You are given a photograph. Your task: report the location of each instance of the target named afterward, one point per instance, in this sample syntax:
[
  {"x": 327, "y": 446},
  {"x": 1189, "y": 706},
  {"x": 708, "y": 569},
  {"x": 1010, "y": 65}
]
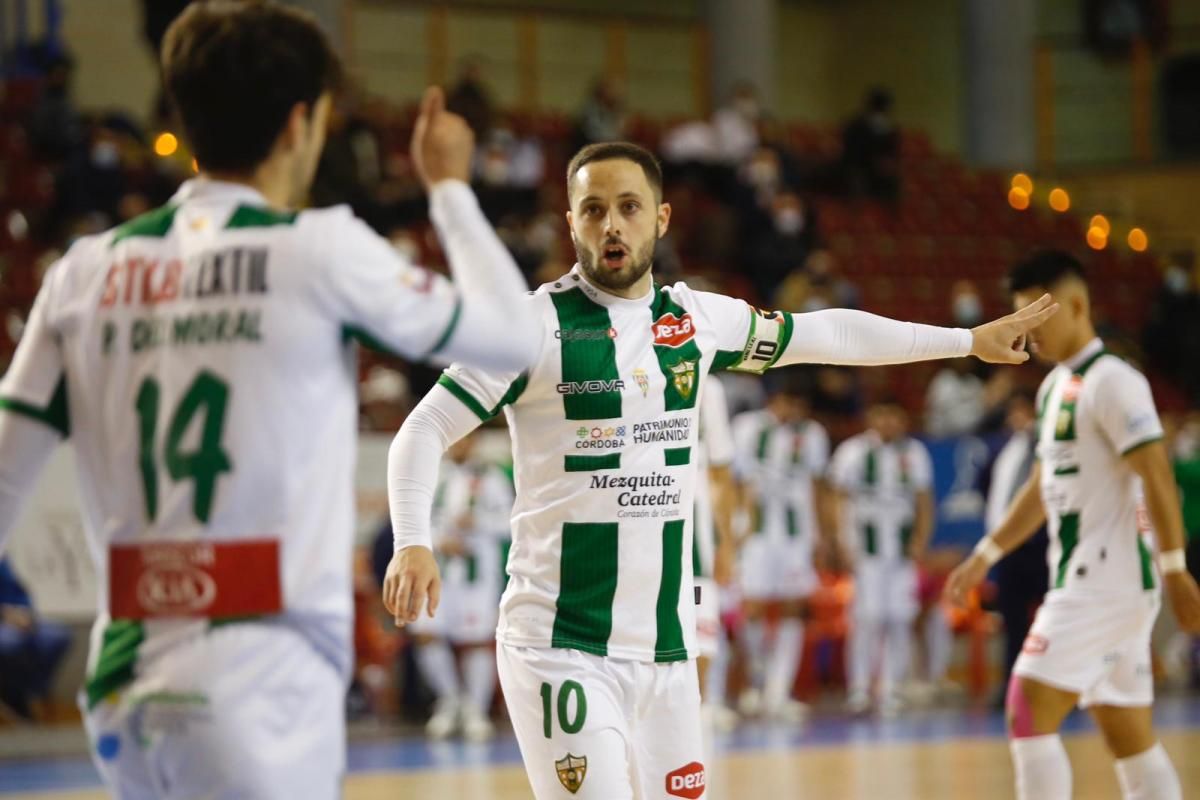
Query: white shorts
[
  {"x": 596, "y": 728},
  {"x": 774, "y": 570},
  {"x": 885, "y": 589},
  {"x": 469, "y": 609},
  {"x": 243, "y": 712},
  {"x": 708, "y": 618},
  {"x": 1098, "y": 648}
]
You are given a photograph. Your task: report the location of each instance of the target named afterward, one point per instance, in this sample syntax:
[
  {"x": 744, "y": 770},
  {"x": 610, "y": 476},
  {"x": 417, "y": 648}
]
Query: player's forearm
[
  {"x": 724, "y": 501},
  {"x": 923, "y": 522},
  {"x": 1162, "y": 501},
  {"x": 1024, "y": 516},
  {"x": 479, "y": 261},
  {"x": 438, "y": 421},
  {"x": 25, "y": 447},
  {"x": 856, "y": 338}
]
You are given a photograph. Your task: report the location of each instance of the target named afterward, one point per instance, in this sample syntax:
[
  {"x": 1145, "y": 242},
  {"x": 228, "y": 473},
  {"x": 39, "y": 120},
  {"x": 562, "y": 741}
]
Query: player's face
[
  {"x": 311, "y": 143},
  {"x": 1050, "y": 341},
  {"x": 615, "y": 221},
  {"x": 890, "y": 422}
]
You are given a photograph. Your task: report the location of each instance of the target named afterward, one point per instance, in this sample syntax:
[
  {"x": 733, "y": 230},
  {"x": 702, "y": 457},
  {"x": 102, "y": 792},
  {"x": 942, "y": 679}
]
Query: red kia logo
[
  {"x": 672, "y": 331},
  {"x": 1035, "y": 645},
  {"x": 687, "y": 781},
  {"x": 176, "y": 590}
]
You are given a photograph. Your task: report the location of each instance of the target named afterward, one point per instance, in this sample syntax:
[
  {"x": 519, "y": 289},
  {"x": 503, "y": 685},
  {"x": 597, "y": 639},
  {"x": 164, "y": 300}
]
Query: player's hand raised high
[
  {"x": 412, "y": 582},
  {"x": 1002, "y": 341},
  {"x": 1184, "y": 596},
  {"x": 442, "y": 142}
]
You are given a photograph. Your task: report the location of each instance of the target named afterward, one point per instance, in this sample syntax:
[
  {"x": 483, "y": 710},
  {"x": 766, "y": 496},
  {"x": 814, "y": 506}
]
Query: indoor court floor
[{"x": 923, "y": 756}]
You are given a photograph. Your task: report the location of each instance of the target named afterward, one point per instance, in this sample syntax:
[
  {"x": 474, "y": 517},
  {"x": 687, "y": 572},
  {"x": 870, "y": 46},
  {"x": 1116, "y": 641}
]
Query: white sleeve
[
  {"x": 843, "y": 470},
  {"x": 379, "y": 295},
  {"x": 921, "y": 467},
  {"x": 437, "y": 422},
  {"x": 818, "y": 448},
  {"x": 718, "y": 435},
  {"x": 856, "y": 338},
  {"x": 1126, "y": 415},
  {"x": 33, "y": 409}
]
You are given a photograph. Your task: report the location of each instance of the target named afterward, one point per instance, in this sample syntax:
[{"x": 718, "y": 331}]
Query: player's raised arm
[{"x": 844, "y": 336}]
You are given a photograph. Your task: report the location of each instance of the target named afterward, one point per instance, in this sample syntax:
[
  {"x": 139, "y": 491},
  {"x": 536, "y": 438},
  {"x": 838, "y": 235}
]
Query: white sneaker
[
  {"x": 476, "y": 726},
  {"x": 858, "y": 703},
  {"x": 789, "y": 711},
  {"x": 890, "y": 706},
  {"x": 444, "y": 720},
  {"x": 750, "y": 704},
  {"x": 725, "y": 719}
]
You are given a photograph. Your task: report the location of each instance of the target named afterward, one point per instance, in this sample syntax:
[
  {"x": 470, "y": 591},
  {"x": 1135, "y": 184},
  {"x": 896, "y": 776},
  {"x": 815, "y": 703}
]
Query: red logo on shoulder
[
  {"x": 672, "y": 331},
  {"x": 687, "y": 781}
]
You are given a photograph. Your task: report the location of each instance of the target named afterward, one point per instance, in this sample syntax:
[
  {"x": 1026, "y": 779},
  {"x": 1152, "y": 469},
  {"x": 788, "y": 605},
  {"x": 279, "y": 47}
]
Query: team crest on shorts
[
  {"x": 683, "y": 375},
  {"x": 571, "y": 771}
]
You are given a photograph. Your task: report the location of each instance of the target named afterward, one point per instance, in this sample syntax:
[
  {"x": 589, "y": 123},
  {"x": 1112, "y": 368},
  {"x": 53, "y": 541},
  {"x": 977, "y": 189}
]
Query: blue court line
[{"x": 410, "y": 754}]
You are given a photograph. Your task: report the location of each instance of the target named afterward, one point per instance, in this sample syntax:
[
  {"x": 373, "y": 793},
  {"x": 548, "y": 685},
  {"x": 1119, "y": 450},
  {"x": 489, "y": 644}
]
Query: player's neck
[
  {"x": 636, "y": 291},
  {"x": 270, "y": 179},
  {"x": 1082, "y": 339}
]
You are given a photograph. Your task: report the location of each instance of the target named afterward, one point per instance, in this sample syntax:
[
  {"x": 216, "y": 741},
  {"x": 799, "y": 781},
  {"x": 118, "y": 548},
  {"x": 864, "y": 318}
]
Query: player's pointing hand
[
  {"x": 412, "y": 582},
  {"x": 442, "y": 142},
  {"x": 1002, "y": 341}
]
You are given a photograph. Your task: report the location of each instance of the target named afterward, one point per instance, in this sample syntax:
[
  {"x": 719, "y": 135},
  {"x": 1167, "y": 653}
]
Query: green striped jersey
[
  {"x": 881, "y": 481},
  {"x": 779, "y": 463},
  {"x": 1092, "y": 410},
  {"x": 604, "y": 428},
  {"x": 472, "y": 504}
]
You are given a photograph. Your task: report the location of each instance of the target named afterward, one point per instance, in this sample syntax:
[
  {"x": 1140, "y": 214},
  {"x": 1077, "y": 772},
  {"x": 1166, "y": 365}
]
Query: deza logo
[
  {"x": 687, "y": 781},
  {"x": 591, "y": 387},
  {"x": 672, "y": 331}
]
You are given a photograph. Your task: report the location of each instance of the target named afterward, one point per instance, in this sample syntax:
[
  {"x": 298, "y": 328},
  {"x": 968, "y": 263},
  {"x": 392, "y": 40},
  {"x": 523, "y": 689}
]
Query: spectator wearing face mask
[
  {"x": 956, "y": 401},
  {"x": 785, "y": 239},
  {"x": 735, "y": 126},
  {"x": 816, "y": 286},
  {"x": 871, "y": 150}
]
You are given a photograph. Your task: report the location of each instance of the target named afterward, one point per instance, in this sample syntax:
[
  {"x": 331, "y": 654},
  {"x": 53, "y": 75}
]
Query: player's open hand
[
  {"x": 412, "y": 583},
  {"x": 1002, "y": 341},
  {"x": 965, "y": 577},
  {"x": 442, "y": 142},
  {"x": 1184, "y": 597}
]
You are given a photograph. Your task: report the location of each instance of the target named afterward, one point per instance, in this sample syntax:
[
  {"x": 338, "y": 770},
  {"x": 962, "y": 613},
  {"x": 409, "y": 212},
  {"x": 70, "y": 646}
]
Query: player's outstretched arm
[
  {"x": 1025, "y": 515},
  {"x": 857, "y": 338},
  {"x": 1150, "y": 461},
  {"x": 412, "y": 582}
]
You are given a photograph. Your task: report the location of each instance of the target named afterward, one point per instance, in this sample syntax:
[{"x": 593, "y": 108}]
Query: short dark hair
[
  {"x": 234, "y": 70},
  {"x": 1044, "y": 269},
  {"x": 610, "y": 151}
]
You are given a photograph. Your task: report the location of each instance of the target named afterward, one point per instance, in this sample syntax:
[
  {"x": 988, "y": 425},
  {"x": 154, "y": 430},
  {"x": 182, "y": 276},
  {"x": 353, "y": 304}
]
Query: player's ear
[
  {"x": 664, "y": 218},
  {"x": 571, "y": 221},
  {"x": 295, "y": 129}
]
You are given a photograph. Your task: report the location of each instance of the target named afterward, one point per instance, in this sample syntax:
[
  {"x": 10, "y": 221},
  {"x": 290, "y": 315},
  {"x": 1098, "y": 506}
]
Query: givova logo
[{"x": 591, "y": 387}]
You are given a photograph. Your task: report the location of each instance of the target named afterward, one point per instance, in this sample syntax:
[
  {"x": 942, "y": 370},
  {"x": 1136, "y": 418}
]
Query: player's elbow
[{"x": 495, "y": 338}]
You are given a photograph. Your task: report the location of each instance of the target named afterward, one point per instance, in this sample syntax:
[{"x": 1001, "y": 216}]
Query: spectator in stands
[
  {"x": 954, "y": 401},
  {"x": 735, "y": 125},
  {"x": 470, "y": 98},
  {"x": 30, "y": 649},
  {"x": 384, "y": 399},
  {"x": 1172, "y": 334},
  {"x": 817, "y": 285},
  {"x": 1022, "y": 576},
  {"x": 781, "y": 245},
  {"x": 871, "y": 150},
  {"x": 603, "y": 117},
  {"x": 56, "y": 129}
]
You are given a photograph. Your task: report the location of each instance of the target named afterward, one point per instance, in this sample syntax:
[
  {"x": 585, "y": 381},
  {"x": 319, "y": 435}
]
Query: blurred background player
[
  {"x": 781, "y": 459},
  {"x": 225, "y": 313},
  {"x": 884, "y": 479},
  {"x": 1102, "y": 481},
  {"x": 472, "y": 506},
  {"x": 713, "y": 549}
]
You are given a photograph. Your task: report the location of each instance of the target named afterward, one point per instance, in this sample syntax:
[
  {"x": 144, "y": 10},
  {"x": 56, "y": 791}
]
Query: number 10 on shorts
[{"x": 570, "y": 721}]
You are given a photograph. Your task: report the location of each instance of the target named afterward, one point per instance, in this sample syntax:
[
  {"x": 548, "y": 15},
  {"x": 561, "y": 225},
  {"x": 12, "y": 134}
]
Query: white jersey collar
[
  {"x": 602, "y": 297},
  {"x": 1090, "y": 349},
  {"x": 221, "y": 191}
]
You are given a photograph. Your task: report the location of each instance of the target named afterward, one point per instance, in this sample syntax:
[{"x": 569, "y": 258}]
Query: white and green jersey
[
  {"x": 201, "y": 360},
  {"x": 604, "y": 431},
  {"x": 1092, "y": 410},
  {"x": 715, "y": 450},
  {"x": 474, "y": 504},
  {"x": 881, "y": 480},
  {"x": 780, "y": 463}
]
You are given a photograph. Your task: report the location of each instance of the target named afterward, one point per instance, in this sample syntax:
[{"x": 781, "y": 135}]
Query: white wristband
[
  {"x": 989, "y": 551},
  {"x": 1172, "y": 561}
]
